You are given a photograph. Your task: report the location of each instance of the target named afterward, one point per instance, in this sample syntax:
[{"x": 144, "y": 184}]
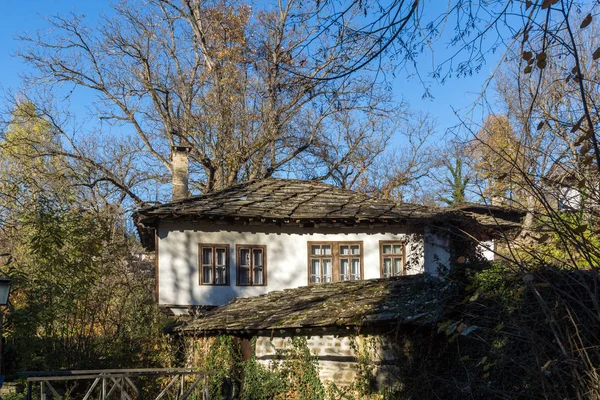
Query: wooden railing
[{"x": 106, "y": 384}]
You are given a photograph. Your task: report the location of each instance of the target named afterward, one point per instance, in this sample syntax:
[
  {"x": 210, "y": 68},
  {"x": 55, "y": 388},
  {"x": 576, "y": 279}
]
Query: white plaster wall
[
  {"x": 488, "y": 249},
  {"x": 437, "y": 257},
  {"x": 178, "y": 275}
]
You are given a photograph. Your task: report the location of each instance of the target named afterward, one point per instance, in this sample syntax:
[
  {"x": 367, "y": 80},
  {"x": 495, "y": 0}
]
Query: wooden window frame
[
  {"x": 335, "y": 256},
  {"x": 213, "y": 246},
  {"x": 402, "y": 243},
  {"x": 252, "y": 247}
]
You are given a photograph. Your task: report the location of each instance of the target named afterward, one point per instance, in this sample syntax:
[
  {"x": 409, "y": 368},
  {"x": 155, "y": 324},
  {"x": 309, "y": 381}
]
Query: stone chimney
[{"x": 179, "y": 166}]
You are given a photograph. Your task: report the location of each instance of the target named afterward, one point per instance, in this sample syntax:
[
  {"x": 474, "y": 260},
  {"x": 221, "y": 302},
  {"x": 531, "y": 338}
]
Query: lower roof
[{"x": 406, "y": 300}]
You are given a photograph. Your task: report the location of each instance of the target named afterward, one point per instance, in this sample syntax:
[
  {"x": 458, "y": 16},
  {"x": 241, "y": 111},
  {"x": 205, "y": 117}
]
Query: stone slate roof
[
  {"x": 311, "y": 203},
  {"x": 276, "y": 200},
  {"x": 407, "y": 300}
]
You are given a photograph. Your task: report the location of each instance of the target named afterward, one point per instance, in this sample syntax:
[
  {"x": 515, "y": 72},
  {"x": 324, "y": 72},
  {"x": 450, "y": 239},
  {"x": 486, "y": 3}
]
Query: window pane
[
  {"x": 387, "y": 267},
  {"x": 258, "y": 257},
  {"x": 397, "y": 266},
  {"x": 244, "y": 276},
  {"x": 344, "y": 250},
  {"x": 327, "y": 271},
  {"x": 397, "y": 249},
  {"x": 220, "y": 276},
  {"x": 355, "y": 269},
  {"x": 315, "y": 250},
  {"x": 344, "y": 273},
  {"x": 206, "y": 256},
  {"x": 387, "y": 248},
  {"x": 244, "y": 257},
  {"x": 258, "y": 275},
  {"x": 315, "y": 271},
  {"x": 207, "y": 275},
  {"x": 220, "y": 256},
  {"x": 326, "y": 249},
  {"x": 355, "y": 249}
]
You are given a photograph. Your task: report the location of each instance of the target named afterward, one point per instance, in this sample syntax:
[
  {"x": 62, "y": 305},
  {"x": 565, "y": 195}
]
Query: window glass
[
  {"x": 355, "y": 249},
  {"x": 397, "y": 249},
  {"x": 344, "y": 250},
  {"x": 397, "y": 266},
  {"x": 387, "y": 248},
  {"x": 206, "y": 256},
  {"x": 326, "y": 249},
  {"x": 315, "y": 271},
  {"x": 207, "y": 274},
  {"x": 220, "y": 257},
  {"x": 355, "y": 269},
  {"x": 387, "y": 267},
  {"x": 245, "y": 257},
  {"x": 315, "y": 250},
  {"x": 327, "y": 271},
  {"x": 344, "y": 273},
  {"x": 258, "y": 257},
  {"x": 244, "y": 272}
]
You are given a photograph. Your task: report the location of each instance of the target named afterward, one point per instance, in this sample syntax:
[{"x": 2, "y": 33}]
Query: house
[{"x": 275, "y": 234}]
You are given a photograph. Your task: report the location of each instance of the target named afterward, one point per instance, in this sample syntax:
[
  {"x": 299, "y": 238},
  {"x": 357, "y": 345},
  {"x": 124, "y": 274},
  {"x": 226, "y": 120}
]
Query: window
[
  {"x": 334, "y": 261},
  {"x": 392, "y": 258},
  {"x": 320, "y": 260},
  {"x": 214, "y": 264},
  {"x": 251, "y": 265}
]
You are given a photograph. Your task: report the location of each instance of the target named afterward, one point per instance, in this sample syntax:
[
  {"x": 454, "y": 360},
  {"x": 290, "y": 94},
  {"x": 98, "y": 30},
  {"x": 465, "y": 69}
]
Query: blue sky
[{"x": 26, "y": 16}]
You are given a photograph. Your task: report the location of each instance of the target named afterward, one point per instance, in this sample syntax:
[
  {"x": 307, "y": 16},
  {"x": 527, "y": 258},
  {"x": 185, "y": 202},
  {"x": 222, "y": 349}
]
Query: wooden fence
[{"x": 107, "y": 384}]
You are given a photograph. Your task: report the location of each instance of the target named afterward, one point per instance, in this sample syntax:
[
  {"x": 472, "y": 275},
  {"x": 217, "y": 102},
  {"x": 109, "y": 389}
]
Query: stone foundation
[{"x": 339, "y": 357}]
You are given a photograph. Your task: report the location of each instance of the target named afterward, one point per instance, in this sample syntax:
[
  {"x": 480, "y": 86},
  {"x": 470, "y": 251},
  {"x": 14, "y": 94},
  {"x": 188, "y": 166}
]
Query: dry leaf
[
  {"x": 541, "y": 64},
  {"x": 577, "y": 125},
  {"x": 596, "y": 54},
  {"x": 461, "y": 260},
  {"x": 527, "y": 69},
  {"x": 528, "y": 4},
  {"x": 588, "y": 160},
  {"x": 543, "y": 238},
  {"x": 545, "y": 4},
  {"x": 541, "y": 56},
  {"x": 540, "y": 125},
  {"x": 527, "y": 55},
  {"x": 581, "y": 229},
  {"x": 586, "y": 21}
]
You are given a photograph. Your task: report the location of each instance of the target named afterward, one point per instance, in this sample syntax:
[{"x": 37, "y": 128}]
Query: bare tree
[{"x": 209, "y": 75}]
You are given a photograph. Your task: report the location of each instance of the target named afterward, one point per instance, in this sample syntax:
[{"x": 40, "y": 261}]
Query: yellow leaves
[
  {"x": 461, "y": 260},
  {"x": 586, "y": 21}
]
